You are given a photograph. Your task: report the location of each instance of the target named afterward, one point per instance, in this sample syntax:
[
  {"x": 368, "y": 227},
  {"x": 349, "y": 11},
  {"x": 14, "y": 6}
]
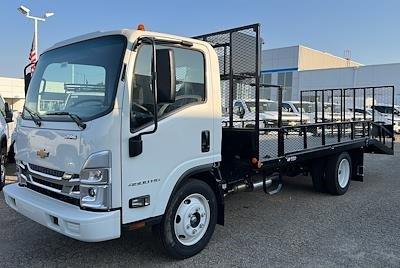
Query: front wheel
[{"x": 190, "y": 220}]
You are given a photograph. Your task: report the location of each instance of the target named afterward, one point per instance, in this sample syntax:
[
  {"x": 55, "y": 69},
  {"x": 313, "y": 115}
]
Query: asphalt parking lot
[{"x": 297, "y": 227}]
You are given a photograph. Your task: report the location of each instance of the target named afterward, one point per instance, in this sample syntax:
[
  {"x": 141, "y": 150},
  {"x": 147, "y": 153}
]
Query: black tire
[
  {"x": 332, "y": 182},
  {"x": 11, "y": 154},
  {"x": 318, "y": 175},
  {"x": 3, "y": 158},
  {"x": 166, "y": 230}
]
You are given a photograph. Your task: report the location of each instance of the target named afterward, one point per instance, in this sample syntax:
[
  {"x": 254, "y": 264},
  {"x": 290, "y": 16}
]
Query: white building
[
  {"x": 12, "y": 90},
  {"x": 300, "y": 68}
]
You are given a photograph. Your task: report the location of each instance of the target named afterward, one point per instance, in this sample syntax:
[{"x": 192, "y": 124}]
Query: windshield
[
  {"x": 80, "y": 79},
  {"x": 265, "y": 106},
  {"x": 305, "y": 107}
]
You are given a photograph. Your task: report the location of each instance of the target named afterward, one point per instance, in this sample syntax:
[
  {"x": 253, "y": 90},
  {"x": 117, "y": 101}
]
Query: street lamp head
[
  {"x": 24, "y": 10},
  {"x": 48, "y": 14}
]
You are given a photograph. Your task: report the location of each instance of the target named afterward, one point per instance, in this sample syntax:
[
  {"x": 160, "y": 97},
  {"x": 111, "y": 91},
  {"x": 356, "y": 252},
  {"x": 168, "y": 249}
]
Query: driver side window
[{"x": 190, "y": 84}]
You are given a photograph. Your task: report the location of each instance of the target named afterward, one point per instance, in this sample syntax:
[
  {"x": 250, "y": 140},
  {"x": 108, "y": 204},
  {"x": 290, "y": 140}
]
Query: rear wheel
[
  {"x": 11, "y": 154},
  {"x": 318, "y": 175},
  {"x": 338, "y": 173},
  {"x": 190, "y": 220}
]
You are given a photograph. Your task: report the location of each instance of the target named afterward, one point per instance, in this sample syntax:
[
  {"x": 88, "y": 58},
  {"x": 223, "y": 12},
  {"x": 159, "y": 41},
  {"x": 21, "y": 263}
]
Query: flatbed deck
[{"x": 250, "y": 148}]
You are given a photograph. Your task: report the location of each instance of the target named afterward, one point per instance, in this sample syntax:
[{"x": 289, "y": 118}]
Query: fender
[{"x": 206, "y": 173}]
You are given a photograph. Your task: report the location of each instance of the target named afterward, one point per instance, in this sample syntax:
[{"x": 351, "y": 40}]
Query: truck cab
[{"x": 144, "y": 116}]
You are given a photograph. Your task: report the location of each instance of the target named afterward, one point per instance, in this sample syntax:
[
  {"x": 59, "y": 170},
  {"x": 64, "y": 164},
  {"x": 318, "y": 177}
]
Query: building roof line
[{"x": 329, "y": 54}]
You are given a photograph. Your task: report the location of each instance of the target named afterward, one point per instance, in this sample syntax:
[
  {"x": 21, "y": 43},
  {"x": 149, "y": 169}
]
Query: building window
[
  {"x": 286, "y": 80},
  {"x": 265, "y": 92}
]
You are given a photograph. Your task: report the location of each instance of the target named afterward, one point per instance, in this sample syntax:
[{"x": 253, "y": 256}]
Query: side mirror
[
  {"x": 239, "y": 111},
  {"x": 166, "y": 81},
  {"x": 9, "y": 113}
]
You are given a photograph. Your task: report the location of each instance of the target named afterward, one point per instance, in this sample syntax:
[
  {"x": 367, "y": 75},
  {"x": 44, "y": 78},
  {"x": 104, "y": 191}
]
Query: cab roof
[{"x": 130, "y": 34}]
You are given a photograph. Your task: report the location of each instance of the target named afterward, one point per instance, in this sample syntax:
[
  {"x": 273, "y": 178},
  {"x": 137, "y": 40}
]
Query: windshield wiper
[
  {"x": 74, "y": 117},
  {"x": 35, "y": 117}
]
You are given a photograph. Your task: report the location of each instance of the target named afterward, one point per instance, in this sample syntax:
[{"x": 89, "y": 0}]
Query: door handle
[{"x": 205, "y": 141}]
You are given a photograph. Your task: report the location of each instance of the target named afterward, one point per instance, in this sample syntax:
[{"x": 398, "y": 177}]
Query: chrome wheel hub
[
  {"x": 344, "y": 173},
  {"x": 192, "y": 219}
]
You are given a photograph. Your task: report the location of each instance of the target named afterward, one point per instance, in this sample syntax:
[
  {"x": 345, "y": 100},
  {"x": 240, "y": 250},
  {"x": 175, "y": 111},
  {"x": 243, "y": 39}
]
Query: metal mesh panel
[
  {"x": 268, "y": 144},
  {"x": 238, "y": 53}
]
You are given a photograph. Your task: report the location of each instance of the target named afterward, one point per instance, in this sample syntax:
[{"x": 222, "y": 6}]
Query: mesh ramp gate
[{"x": 238, "y": 53}]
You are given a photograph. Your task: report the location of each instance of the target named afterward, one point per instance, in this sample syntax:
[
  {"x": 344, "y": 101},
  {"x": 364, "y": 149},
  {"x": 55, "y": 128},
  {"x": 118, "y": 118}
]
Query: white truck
[{"x": 150, "y": 150}]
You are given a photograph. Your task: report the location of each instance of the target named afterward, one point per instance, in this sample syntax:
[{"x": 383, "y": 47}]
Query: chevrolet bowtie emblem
[{"x": 42, "y": 153}]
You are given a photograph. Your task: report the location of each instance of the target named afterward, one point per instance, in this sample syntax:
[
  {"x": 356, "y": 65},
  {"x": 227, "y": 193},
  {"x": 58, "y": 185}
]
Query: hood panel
[
  {"x": 69, "y": 149},
  {"x": 63, "y": 148}
]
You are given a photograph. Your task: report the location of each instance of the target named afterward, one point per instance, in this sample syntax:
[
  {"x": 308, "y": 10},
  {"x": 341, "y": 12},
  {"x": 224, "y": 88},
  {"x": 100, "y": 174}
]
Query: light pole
[{"x": 26, "y": 12}]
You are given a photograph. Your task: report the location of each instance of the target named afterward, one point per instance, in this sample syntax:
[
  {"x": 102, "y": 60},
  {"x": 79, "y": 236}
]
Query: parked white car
[
  {"x": 240, "y": 121},
  {"x": 269, "y": 112},
  {"x": 308, "y": 110}
]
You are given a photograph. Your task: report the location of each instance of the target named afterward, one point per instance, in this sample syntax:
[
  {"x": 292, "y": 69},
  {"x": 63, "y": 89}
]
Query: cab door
[{"x": 183, "y": 140}]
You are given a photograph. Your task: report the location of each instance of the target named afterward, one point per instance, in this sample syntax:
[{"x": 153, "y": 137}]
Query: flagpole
[
  {"x": 26, "y": 12},
  {"x": 36, "y": 36}
]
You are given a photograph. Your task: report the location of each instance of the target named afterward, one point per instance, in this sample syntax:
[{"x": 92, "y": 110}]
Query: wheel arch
[{"x": 205, "y": 173}]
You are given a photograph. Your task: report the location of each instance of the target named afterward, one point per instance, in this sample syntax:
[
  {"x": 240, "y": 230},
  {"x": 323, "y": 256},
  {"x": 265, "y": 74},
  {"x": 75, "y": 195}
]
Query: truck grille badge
[{"x": 42, "y": 153}]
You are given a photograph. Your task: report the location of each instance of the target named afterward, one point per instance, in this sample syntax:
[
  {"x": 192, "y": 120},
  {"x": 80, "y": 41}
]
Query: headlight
[
  {"x": 95, "y": 182},
  {"x": 95, "y": 176}
]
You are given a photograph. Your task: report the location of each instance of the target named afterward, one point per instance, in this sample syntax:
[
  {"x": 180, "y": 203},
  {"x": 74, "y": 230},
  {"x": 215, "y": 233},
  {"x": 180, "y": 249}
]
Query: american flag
[{"x": 33, "y": 55}]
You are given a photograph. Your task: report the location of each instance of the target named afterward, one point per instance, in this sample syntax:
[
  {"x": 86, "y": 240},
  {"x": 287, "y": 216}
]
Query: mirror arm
[
  {"x": 154, "y": 87},
  {"x": 136, "y": 143}
]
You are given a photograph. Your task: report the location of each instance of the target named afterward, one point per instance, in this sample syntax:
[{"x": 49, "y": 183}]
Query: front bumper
[{"x": 62, "y": 217}]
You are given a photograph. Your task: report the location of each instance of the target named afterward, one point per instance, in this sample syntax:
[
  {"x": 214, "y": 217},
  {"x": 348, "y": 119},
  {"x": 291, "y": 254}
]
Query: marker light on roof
[{"x": 140, "y": 27}]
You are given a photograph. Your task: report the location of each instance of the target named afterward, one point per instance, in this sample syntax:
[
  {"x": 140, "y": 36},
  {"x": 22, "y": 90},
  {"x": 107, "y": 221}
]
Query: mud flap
[{"x": 357, "y": 159}]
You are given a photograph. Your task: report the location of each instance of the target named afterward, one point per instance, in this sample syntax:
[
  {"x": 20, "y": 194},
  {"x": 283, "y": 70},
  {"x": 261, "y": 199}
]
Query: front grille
[
  {"x": 49, "y": 171},
  {"x": 70, "y": 200},
  {"x": 50, "y": 183},
  {"x": 47, "y": 183}
]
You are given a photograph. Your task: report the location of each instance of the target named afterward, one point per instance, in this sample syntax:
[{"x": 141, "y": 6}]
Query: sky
[{"x": 369, "y": 28}]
